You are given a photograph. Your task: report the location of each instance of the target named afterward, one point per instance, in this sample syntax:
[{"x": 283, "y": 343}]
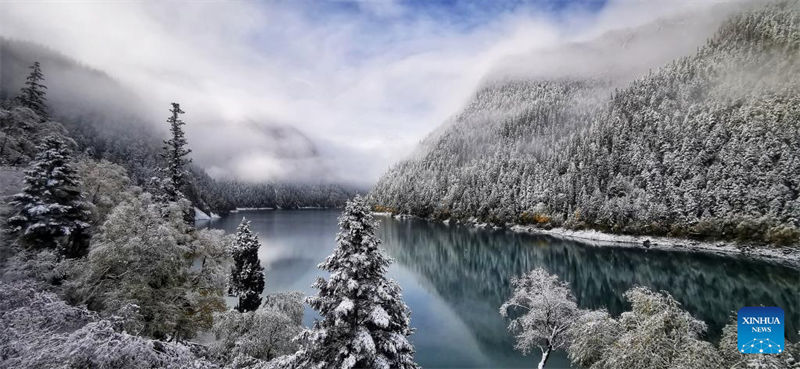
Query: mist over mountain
[
  {"x": 100, "y": 109},
  {"x": 619, "y": 55},
  {"x": 698, "y": 146},
  {"x": 109, "y": 121}
]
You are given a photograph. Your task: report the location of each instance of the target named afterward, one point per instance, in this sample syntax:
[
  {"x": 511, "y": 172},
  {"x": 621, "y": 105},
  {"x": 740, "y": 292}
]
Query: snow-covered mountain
[{"x": 704, "y": 145}]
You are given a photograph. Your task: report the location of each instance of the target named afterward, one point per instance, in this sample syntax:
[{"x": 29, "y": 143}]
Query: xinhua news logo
[{"x": 760, "y": 330}]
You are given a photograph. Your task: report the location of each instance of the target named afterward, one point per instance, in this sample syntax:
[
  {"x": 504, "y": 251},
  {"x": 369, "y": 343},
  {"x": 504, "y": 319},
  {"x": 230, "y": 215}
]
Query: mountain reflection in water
[{"x": 454, "y": 279}]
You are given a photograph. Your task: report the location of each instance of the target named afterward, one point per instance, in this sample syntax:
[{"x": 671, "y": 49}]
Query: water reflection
[{"x": 455, "y": 278}]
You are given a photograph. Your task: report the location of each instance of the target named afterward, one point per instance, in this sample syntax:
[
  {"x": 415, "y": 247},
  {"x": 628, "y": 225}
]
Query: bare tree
[{"x": 544, "y": 308}]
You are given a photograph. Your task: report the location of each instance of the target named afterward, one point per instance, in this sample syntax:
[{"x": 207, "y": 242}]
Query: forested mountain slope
[{"x": 705, "y": 146}]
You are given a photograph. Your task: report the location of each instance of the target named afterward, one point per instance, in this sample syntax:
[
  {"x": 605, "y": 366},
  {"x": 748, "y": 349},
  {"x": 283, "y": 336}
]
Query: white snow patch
[
  {"x": 379, "y": 317},
  {"x": 344, "y": 307},
  {"x": 200, "y": 215},
  {"x": 363, "y": 342},
  {"x": 38, "y": 210},
  {"x": 784, "y": 255},
  {"x": 250, "y": 209}
]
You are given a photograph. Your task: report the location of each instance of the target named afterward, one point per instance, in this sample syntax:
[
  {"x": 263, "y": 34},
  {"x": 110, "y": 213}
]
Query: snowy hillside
[{"x": 704, "y": 146}]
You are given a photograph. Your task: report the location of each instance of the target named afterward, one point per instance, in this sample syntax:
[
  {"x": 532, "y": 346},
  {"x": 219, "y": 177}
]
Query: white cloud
[{"x": 365, "y": 87}]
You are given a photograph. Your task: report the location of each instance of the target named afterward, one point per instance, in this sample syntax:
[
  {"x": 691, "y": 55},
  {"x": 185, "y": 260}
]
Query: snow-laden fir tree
[
  {"x": 365, "y": 323},
  {"x": 175, "y": 152},
  {"x": 546, "y": 309},
  {"x": 33, "y": 94},
  {"x": 247, "y": 276},
  {"x": 51, "y": 211}
]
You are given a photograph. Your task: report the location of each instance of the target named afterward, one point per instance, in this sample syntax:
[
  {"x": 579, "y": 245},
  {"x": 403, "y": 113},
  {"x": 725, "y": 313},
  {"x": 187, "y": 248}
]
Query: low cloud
[{"x": 305, "y": 90}]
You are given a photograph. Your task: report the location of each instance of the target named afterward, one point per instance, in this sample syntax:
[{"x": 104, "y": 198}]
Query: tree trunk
[{"x": 545, "y": 355}]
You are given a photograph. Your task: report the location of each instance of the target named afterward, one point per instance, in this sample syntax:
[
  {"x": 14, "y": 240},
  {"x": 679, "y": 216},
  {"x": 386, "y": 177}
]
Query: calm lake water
[{"x": 454, "y": 279}]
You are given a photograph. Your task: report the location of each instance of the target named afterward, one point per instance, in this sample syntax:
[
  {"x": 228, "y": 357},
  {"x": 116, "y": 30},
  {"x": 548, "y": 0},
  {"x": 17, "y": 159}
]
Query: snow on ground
[
  {"x": 249, "y": 209},
  {"x": 783, "y": 255},
  {"x": 200, "y": 215},
  {"x": 39, "y": 330}
]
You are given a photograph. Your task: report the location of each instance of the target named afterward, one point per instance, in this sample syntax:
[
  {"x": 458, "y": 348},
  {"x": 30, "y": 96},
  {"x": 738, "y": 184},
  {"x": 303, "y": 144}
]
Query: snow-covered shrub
[
  {"x": 175, "y": 276},
  {"x": 290, "y": 303},
  {"x": 38, "y": 330},
  {"x": 656, "y": 333},
  {"x": 263, "y": 334},
  {"x": 34, "y": 265},
  {"x": 207, "y": 278},
  {"x": 104, "y": 186},
  {"x": 543, "y": 309},
  {"x": 592, "y": 333},
  {"x": 783, "y": 235}
]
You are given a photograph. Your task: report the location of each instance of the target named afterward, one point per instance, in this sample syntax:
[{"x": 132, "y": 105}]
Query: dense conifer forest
[{"x": 703, "y": 147}]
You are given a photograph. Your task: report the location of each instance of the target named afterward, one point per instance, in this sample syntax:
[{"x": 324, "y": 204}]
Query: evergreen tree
[
  {"x": 175, "y": 152},
  {"x": 51, "y": 210},
  {"x": 171, "y": 187},
  {"x": 365, "y": 323},
  {"x": 247, "y": 276},
  {"x": 33, "y": 94}
]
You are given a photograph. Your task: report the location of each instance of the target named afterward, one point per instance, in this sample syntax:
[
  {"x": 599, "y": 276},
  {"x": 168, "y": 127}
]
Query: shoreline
[
  {"x": 237, "y": 210},
  {"x": 787, "y": 256}
]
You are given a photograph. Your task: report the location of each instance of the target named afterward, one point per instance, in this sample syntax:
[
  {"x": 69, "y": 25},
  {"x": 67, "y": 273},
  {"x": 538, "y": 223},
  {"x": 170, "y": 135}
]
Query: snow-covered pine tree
[
  {"x": 365, "y": 323},
  {"x": 247, "y": 275},
  {"x": 175, "y": 152},
  {"x": 51, "y": 211},
  {"x": 33, "y": 94}
]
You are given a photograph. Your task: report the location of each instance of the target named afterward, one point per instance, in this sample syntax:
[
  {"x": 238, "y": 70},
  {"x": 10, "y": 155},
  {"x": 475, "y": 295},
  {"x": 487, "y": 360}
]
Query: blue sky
[
  {"x": 461, "y": 14},
  {"x": 378, "y": 25}
]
